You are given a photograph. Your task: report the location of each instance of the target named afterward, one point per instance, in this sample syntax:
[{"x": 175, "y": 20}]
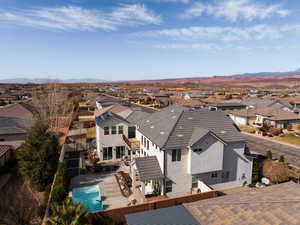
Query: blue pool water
[{"x": 89, "y": 197}]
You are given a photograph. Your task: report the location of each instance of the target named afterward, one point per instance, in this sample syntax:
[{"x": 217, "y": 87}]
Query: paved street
[{"x": 261, "y": 146}]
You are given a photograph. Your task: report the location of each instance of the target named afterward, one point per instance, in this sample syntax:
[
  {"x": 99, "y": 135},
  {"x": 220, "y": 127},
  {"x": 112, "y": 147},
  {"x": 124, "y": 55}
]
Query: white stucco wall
[
  {"x": 154, "y": 150},
  {"x": 111, "y": 140},
  {"x": 177, "y": 172},
  {"x": 239, "y": 120},
  {"x": 209, "y": 159},
  {"x": 238, "y": 165}
]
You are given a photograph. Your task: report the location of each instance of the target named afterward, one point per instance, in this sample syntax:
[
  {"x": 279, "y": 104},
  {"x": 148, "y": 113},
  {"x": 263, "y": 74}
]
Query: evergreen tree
[
  {"x": 269, "y": 155},
  {"x": 38, "y": 156}
]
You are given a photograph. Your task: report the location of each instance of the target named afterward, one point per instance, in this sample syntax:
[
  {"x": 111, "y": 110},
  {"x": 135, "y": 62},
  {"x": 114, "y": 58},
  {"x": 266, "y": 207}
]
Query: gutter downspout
[{"x": 165, "y": 172}]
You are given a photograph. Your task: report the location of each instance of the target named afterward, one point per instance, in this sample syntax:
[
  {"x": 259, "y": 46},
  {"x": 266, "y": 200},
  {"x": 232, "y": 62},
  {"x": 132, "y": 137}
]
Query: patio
[{"x": 110, "y": 192}]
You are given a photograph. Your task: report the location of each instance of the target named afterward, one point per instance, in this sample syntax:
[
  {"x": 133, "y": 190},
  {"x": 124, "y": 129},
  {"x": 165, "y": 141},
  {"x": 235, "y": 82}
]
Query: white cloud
[
  {"x": 232, "y": 10},
  {"x": 77, "y": 18},
  {"x": 182, "y": 1},
  {"x": 225, "y": 34},
  {"x": 193, "y": 46}
]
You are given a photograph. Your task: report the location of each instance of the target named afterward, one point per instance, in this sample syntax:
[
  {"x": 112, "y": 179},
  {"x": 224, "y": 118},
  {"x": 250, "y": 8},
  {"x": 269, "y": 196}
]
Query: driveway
[
  {"x": 261, "y": 146},
  {"x": 110, "y": 192}
]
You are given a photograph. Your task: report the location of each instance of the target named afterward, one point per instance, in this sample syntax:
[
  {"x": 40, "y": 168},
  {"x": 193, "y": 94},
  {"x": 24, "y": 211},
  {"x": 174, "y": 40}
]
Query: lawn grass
[
  {"x": 248, "y": 129},
  {"x": 289, "y": 138}
]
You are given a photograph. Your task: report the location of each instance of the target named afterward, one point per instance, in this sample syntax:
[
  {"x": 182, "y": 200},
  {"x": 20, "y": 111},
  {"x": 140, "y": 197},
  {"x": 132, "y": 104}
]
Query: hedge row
[{"x": 61, "y": 185}]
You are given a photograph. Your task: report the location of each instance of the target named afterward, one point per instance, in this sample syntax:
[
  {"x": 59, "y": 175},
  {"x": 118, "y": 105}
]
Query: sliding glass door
[
  {"x": 107, "y": 153},
  {"x": 120, "y": 152}
]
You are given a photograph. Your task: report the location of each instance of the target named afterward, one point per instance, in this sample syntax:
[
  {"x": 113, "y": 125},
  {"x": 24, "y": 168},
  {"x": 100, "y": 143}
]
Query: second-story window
[
  {"x": 106, "y": 130},
  {"x": 176, "y": 155},
  {"x": 113, "y": 130},
  {"x": 121, "y": 130},
  {"x": 214, "y": 175}
]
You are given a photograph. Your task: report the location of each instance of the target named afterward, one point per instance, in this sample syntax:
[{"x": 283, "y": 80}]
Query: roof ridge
[{"x": 175, "y": 124}]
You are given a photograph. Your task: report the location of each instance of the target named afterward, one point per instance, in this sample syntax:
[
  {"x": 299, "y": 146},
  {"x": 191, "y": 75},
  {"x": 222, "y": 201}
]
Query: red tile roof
[{"x": 4, "y": 149}]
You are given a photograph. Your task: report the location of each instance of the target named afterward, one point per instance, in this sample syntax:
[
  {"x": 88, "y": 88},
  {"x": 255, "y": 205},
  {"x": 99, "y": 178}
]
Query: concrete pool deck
[{"x": 110, "y": 192}]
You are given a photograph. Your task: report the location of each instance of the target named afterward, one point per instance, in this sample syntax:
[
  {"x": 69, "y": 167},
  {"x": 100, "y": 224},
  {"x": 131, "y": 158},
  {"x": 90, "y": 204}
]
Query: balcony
[{"x": 132, "y": 144}]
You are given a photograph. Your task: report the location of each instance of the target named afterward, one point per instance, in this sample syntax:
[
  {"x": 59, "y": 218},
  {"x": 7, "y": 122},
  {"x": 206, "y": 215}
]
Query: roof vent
[
  {"x": 152, "y": 127},
  {"x": 180, "y": 127},
  {"x": 162, "y": 132},
  {"x": 147, "y": 121},
  {"x": 179, "y": 135},
  {"x": 223, "y": 132},
  {"x": 190, "y": 118},
  {"x": 173, "y": 117}
]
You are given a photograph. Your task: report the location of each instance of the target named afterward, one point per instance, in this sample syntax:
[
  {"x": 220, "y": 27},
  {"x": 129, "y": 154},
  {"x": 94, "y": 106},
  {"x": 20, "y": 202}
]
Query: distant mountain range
[
  {"x": 289, "y": 73},
  {"x": 44, "y": 80},
  {"x": 245, "y": 77}
]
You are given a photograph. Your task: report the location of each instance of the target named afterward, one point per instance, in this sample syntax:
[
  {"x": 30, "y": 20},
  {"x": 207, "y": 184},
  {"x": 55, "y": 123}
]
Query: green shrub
[
  {"x": 61, "y": 185},
  {"x": 252, "y": 131},
  {"x": 281, "y": 158},
  {"x": 59, "y": 193},
  {"x": 275, "y": 131},
  {"x": 269, "y": 155},
  {"x": 82, "y": 170},
  {"x": 41, "y": 210},
  {"x": 256, "y": 175}
]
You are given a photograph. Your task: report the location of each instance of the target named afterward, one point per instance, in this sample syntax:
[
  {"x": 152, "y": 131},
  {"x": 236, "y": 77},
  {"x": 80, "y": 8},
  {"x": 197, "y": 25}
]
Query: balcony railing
[{"x": 132, "y": 144}]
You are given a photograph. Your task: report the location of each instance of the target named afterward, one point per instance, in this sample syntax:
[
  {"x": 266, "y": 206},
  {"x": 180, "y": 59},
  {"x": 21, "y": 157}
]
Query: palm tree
[{"x": 68, "y": 214}]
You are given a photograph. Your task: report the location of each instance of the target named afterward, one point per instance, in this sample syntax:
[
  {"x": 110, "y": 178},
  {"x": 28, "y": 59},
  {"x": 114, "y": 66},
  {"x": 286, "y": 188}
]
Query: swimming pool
[{"x": 89, "y": 197}]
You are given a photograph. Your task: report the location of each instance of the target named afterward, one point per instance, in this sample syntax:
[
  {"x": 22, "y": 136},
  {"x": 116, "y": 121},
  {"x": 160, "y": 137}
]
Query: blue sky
[{"x": 147, "y": 39}]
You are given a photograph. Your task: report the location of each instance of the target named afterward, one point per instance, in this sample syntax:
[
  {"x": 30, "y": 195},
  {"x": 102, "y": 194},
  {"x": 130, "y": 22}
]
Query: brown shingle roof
[
  {"x": 271, "y": 112},
  {"x": 277, "y": 204},
  {"x": 18, "y": 110}
]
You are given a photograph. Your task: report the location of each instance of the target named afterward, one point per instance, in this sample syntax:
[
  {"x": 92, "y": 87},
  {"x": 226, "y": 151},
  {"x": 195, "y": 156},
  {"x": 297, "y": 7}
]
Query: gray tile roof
[
  {"x": 197, "y": 134},
  {"x": 176, "y": 126},
  {"x": 136, "y": 116},
  {"x": 14, "y": 125},
  {"x": 158, "y": 125},
  {"x": 148, "y": 168},
  {"x": 176, "y": 215},
  {"x": 262, "y": 102}
]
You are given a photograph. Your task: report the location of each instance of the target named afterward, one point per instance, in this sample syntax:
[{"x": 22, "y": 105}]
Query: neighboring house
[
  {"x": 5, "y": 153},
  {"x": 276, "y": 204},
  {"x": 262, "y": 102},
  {"x": 226, "y": 106},
  {"x": 15, "y": 121},
  {"x": 19, "y": 110},
  {"x": 196, "y": 150},
  {"x": 271, "y": 115},
  {"x": 107, "y": 101},
  {"x": 116, "y": 132},
  {"x": 13, "y": 129},
  {"x": 175, "y": 215}
]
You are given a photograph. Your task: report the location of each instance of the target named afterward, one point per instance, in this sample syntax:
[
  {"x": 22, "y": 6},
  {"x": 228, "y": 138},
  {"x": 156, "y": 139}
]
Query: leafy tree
[
  {"x": 68, "y": 214},
  {"x": 38, "y": 156},
  {"x": 269, "y": 155}
]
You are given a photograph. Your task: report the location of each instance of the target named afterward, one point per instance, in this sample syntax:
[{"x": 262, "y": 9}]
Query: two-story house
[
  {"x": 187, "y": 149},
  {"x": 116, "y": 132}
]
